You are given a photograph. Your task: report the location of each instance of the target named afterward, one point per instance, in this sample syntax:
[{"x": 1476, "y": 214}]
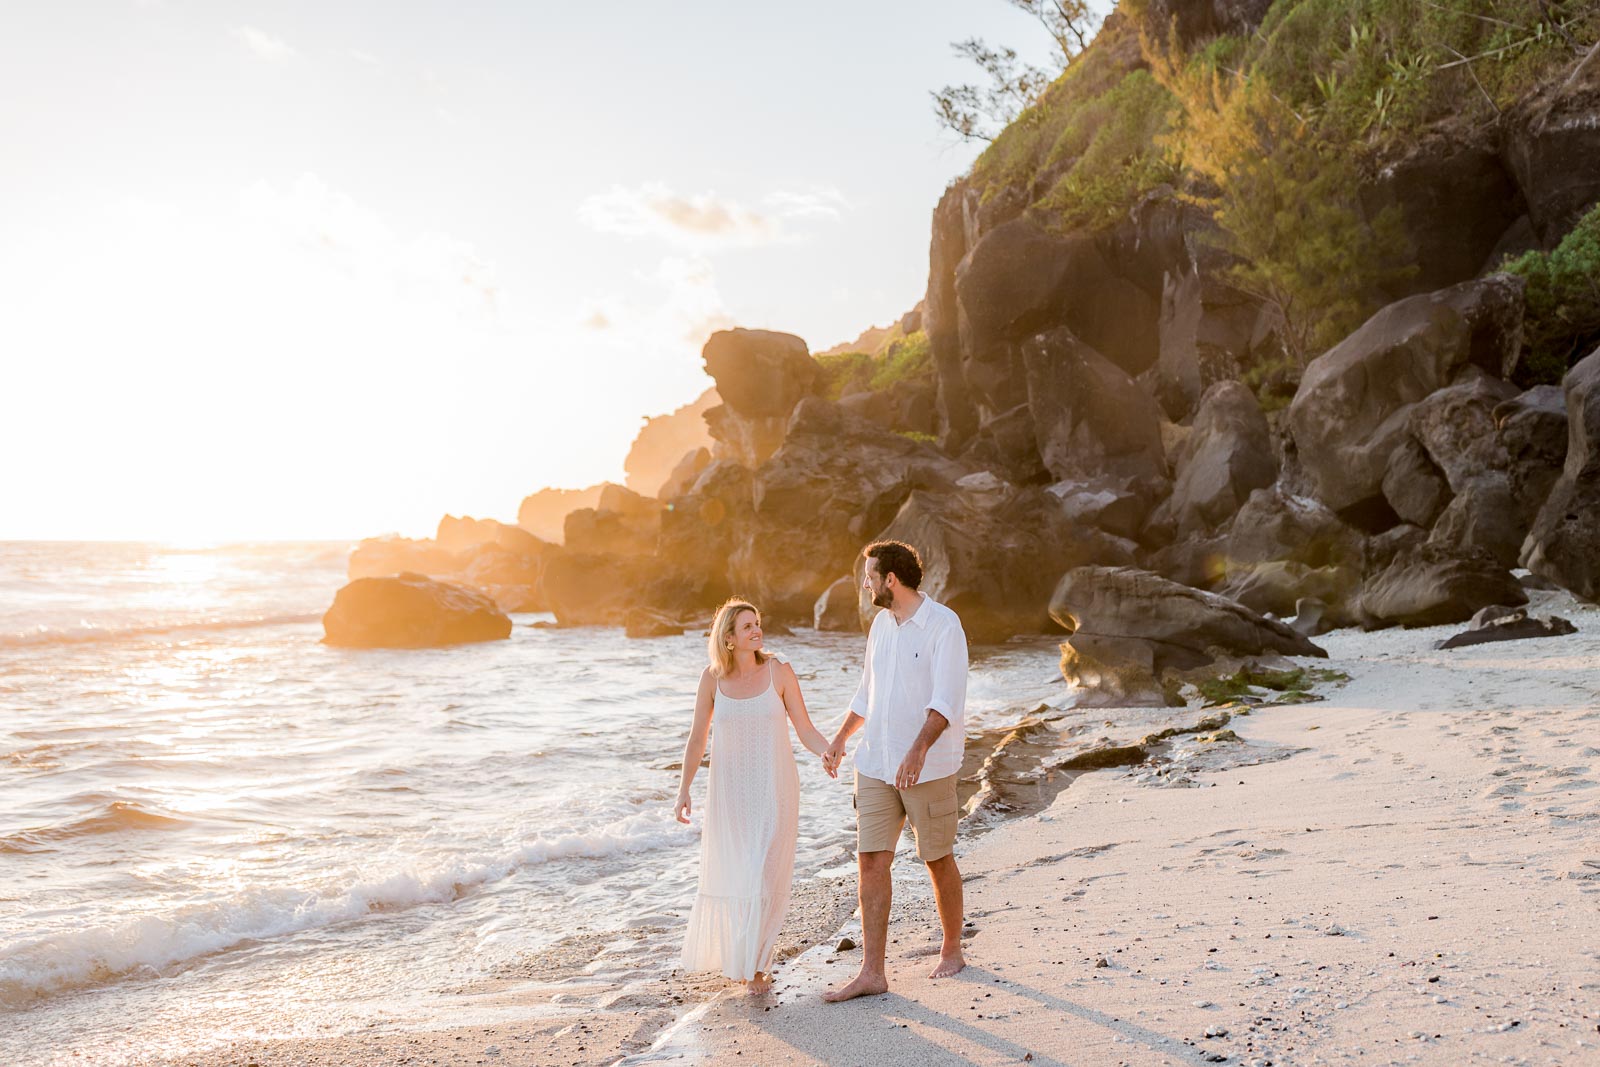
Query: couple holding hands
[{"x": 910, "y": 707}]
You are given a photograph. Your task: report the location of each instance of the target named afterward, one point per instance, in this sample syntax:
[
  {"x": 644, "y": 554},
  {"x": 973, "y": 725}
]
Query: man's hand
[
  {"x": 911, "y": 768},
  {"x": 832, "y": 756}
]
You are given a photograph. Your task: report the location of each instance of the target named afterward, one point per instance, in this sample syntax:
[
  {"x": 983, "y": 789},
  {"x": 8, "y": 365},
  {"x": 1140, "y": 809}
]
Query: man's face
[{"x": 878, "y": 585}]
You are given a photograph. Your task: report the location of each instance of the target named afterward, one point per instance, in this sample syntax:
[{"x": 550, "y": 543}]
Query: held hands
[
  {"x": 681, "y": 809},
  {"x": 911, "y": 768},
  {"x": 832, "y": 756}
]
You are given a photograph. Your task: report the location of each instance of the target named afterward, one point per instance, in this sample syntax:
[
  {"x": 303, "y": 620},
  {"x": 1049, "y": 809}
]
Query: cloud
[
  {"x": 826, "y": 202},
  {"x": 653, "y": 210},
  {"x": 263, "y": 44},
  {"x": 352, "y": 240}
]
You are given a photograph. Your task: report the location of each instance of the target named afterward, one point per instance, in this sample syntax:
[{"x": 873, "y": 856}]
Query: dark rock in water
[
  {"x": 1226, "y": 457},
  {"x": 761, "y": 375},
  {"x": 839, "y": 607},
  {"x": 1351, "y": 410},
  {"x": 1128, "y": 627},
  {"x": 1564, "y": 544},
  {"x": 994, "y": 557},
  {"x": 411, "y": 611},
  {"x": 1516, "y": 626},
  {"x": 1091, "y": 419},
  {"x": 1413, "y": 485},
  {"x": 641, "y": 622},
  {"x": 1533, "y": 429},
  {"x": 1429, "y": 585}
]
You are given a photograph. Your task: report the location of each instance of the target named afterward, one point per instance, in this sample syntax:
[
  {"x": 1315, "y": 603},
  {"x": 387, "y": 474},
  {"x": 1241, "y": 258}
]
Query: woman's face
[{"x": 747, "y": 632}]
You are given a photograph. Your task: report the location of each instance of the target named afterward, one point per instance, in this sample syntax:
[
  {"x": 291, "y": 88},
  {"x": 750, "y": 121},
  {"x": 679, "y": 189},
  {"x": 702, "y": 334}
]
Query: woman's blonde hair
[{"x": 721, "y": 636}]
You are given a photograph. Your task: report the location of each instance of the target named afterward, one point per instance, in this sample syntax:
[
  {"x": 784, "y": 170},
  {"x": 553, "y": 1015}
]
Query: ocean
[{"x": 214, "y": 827}]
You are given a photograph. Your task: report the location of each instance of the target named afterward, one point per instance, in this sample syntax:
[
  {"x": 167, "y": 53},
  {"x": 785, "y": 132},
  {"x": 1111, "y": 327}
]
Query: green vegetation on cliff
[
  {"x": 1273, "y": 132},
  {"x": 901, "y": 358},
  {"x": 1563, "y": 301}
]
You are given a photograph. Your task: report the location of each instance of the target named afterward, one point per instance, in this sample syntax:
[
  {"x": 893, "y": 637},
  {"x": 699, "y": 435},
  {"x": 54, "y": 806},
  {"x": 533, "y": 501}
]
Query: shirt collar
[{"x": 923, "y": 613}]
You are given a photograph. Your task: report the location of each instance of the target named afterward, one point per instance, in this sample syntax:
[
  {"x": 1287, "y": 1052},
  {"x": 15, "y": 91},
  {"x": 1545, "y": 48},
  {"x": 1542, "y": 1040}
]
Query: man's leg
[
  {"x": 877, "y": 889},
  {"x": 947, "y": 896}
]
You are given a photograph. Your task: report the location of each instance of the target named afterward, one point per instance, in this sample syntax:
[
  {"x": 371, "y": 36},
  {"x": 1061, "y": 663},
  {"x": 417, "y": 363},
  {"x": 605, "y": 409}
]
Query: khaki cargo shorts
[{"x": 882, "y": 810}]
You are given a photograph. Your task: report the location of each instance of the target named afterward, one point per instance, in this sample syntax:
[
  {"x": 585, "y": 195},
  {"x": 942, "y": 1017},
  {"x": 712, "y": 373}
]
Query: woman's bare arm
[
  {"x": 794, "y": 702},
  {"x": 694, "y": 751}
]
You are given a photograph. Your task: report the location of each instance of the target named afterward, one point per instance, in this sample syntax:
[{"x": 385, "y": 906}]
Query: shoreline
[{"x": 1039, "y": 850}]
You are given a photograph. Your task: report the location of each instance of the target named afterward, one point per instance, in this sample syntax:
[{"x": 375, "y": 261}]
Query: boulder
[
  {"x": 685, "y": 474},
  {"x": 593, "y": 589},
  {"x": 1006, "y": 444},
  {"x": 906, "y": 406},
  {"x": 1533, "y": 430},
  {"x": 1206, "y": 332},
  {"x": 1128, "y": 627},
  {"x": 1354, "y": 401},
  {"x": 835, "y": 484},
  {"x": 624, "y": 523},
  {"x": 1275, "y": 524},
  {"x": 1091, "y": 420},
  {"x": 1564, "y": 543},
  {"x": 1413, "y": 485},
  {"x": 699, "y": 532},
  {"x": 1512, "y": 626},
  {"x": 839, "y": 607},
  {"x": 544, "y": 513},
  {"x": 1483, "y": 516},
  {"x": 1019, "y": 280},
  {"x": 1431, "y": 584},
  {"x": 1107, "y": 504},
  {"x": 1276, "y": 588},
  {"x": 761, "y": 375},
  {"x": 994, "y": 557},
  {"x": 1456, "y": 426},
  {"x": 411, "y": 611},
  {"x": 1228, "y": 456},
  {"x": 1551, "y": 143},
  {"x": 1455, "y": 200}
]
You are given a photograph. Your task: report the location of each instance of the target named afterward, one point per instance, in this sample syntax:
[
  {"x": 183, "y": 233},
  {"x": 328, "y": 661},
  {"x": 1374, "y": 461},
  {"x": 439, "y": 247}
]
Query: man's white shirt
[{"x": 911, "y": 668}]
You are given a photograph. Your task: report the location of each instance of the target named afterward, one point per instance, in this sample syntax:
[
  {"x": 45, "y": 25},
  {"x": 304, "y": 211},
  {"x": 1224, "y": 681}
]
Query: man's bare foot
[
  {"x": 864, "y": 985},
  {"x": 758, "y": 985},
  {"x": 949, "y": 964}
]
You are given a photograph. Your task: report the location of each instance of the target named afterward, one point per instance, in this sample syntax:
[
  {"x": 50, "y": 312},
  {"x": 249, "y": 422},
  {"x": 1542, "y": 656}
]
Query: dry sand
[{"x": 1406, "y": 872}]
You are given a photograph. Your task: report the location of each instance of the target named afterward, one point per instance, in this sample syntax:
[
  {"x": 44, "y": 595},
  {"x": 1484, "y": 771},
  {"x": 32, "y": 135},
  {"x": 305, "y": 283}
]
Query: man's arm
[
  {"x": 911, "y": 767},
  {"x": 944, "y": 706}
]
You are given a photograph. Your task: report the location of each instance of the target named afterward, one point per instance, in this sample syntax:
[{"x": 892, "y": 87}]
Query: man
[{"x": 912, "y": 701}]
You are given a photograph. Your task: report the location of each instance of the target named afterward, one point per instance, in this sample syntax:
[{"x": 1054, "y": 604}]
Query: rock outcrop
[
  {"x": 1429, "y": 585},
  {"x": 662, "y": 443},
  {"x": 411, "y": 611},
  {"x": 1129, "y": 627},
  {"x": 1564, "y": 544},
  {"x": 1351, "y": 410},
  {"x": 761, "y": 375}
]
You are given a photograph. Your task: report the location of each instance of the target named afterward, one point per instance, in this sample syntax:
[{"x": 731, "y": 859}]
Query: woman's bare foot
[
  {"x": 758, "y": 985},
  {"x": 864, "y": 985},
  {"x": 949, "y": 964}
]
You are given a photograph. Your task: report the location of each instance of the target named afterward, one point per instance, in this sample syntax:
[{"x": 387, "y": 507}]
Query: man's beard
[{"x": 883, "y": 598}]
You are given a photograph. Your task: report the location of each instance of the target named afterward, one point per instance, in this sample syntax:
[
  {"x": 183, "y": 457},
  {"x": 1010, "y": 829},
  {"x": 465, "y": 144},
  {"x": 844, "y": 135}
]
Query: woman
[{"x": 752, "y": 804}]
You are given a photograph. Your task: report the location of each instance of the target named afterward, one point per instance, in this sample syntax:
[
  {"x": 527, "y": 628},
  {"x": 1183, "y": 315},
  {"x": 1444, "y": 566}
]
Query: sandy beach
[{"x": 1403, "y": 872}]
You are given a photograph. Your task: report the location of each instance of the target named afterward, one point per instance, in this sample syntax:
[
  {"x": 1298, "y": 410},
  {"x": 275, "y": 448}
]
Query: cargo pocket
[{"x": 939, "y": 836}]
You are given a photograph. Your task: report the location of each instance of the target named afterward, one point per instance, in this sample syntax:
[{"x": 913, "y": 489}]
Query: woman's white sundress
[{"x": 747, "y": 838}]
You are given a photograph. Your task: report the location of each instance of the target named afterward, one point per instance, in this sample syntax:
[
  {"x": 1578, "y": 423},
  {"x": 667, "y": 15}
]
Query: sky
[{"x": 333, "y": 270}]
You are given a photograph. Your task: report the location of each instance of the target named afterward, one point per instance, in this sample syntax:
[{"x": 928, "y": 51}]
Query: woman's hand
[{"x": 680, "y": 810}]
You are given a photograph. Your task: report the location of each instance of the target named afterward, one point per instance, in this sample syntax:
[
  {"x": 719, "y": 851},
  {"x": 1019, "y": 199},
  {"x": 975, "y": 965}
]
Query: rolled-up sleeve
[{"x": 950, "y": 674}]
